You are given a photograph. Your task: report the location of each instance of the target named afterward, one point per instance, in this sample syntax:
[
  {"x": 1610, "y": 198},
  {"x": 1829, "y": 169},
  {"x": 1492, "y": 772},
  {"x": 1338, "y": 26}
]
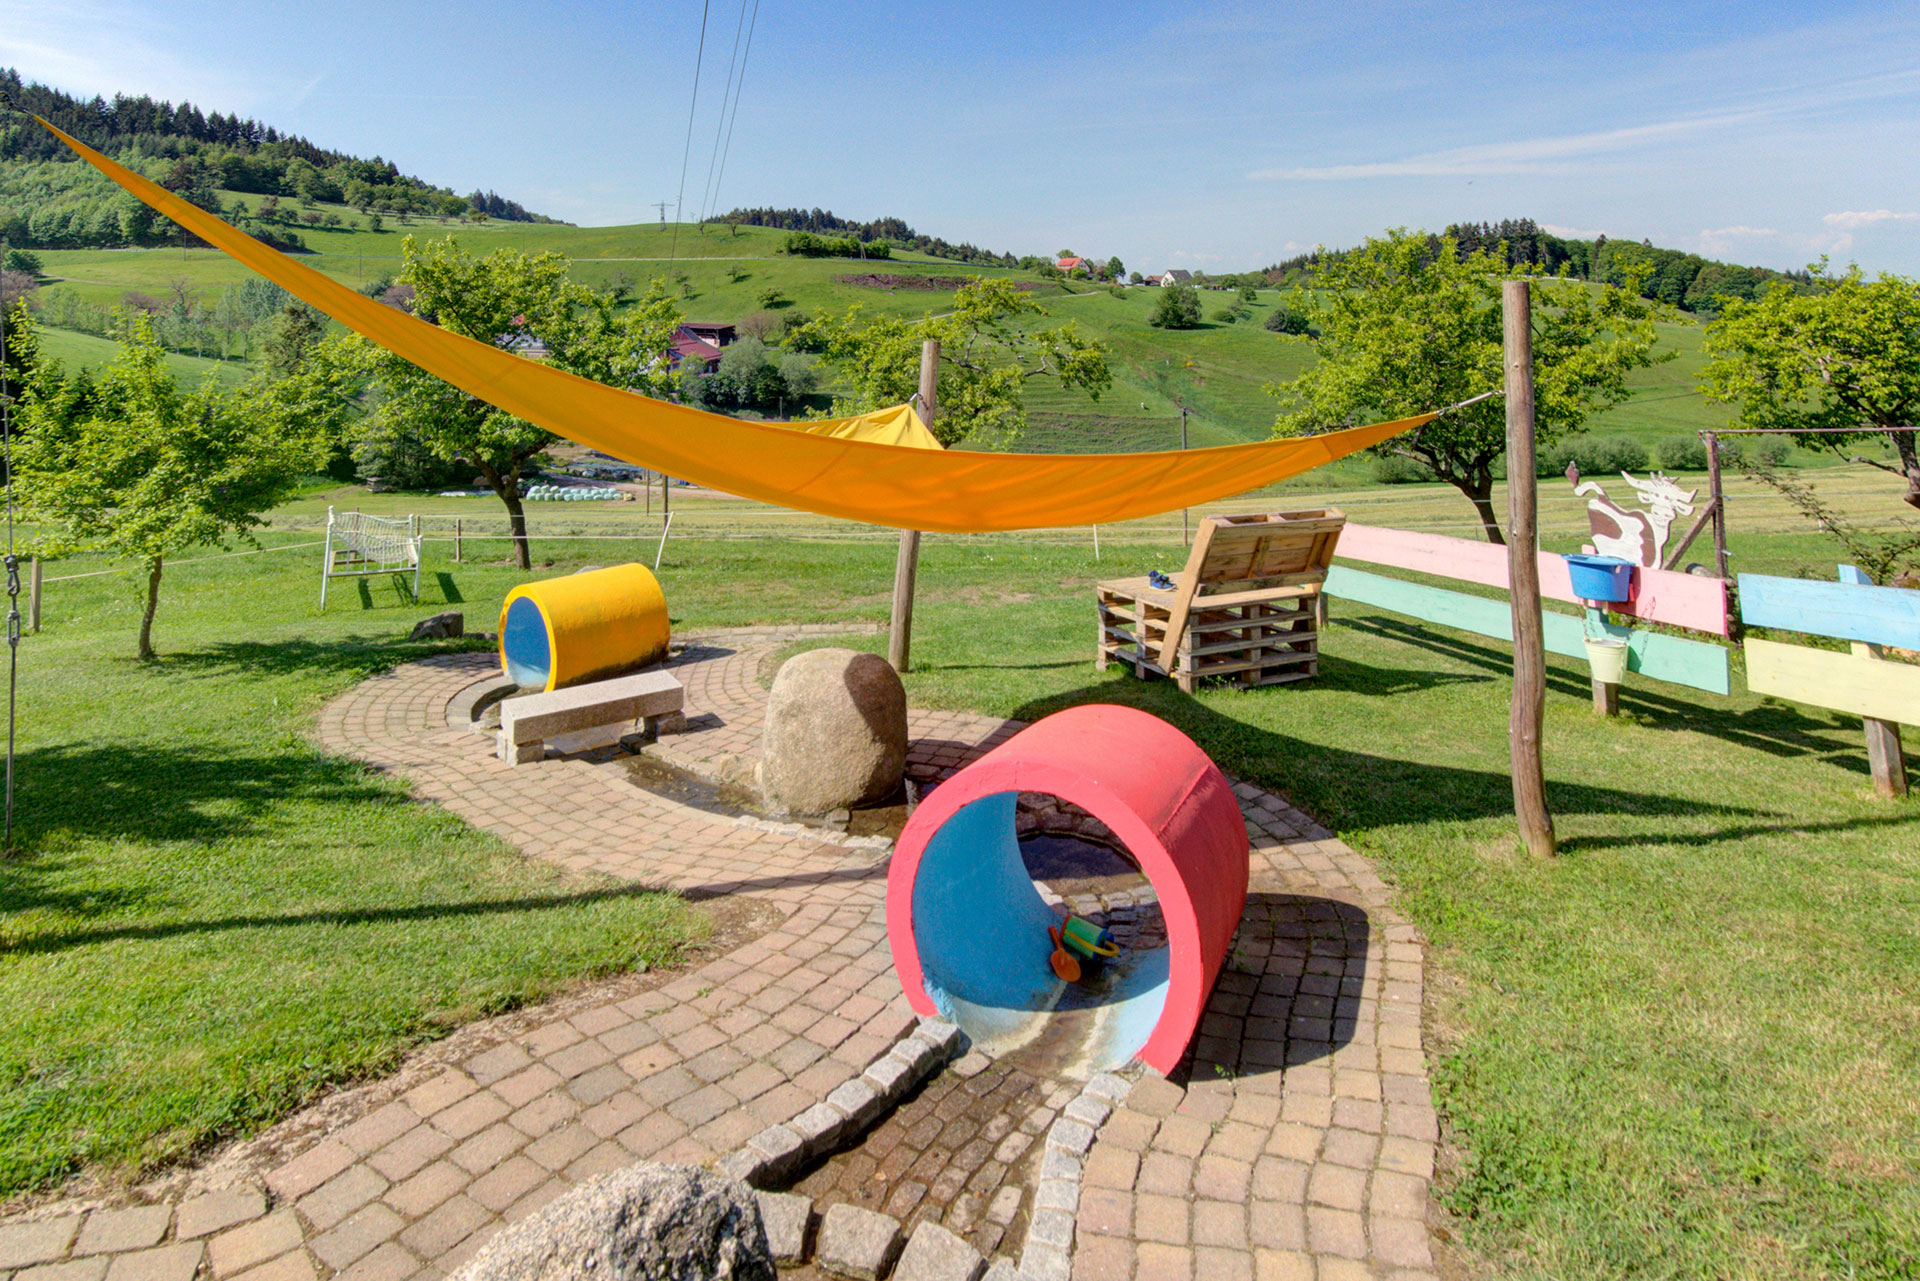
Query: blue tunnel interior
[
  {"x": 980, "y": 927},
  {"x": 523, "y": 641}
]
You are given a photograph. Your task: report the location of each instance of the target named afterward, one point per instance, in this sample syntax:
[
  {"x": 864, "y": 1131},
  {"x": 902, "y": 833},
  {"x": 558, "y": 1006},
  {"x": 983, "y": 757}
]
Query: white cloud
[
  {"x": 1572, "y": 233},
  {"x": 1719, "y": 240},
  {"x": 1190, "y": 256},
  {"x": 1525, "y": 156},
  {"x": 1853, "y": 220}
]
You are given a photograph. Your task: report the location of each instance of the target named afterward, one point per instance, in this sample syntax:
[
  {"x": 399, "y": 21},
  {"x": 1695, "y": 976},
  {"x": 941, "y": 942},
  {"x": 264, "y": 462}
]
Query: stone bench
[{"x": 527, "y": 722}]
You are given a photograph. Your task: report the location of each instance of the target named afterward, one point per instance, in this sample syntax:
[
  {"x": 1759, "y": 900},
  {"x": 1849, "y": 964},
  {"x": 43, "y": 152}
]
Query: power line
[
  {"x": 720, "y": 123},
  {"x": 728, "y": 149},
  {"x": 686, "y": 150}
]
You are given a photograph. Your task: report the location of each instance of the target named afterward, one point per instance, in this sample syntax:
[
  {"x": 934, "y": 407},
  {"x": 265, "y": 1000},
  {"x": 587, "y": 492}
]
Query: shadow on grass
[
  {"x": 339, "y": 916},
  {"x": 1777, "y": 731},
  {"x": 1358, "y": 790},
  {"x": 356, "y": 656},
  {"x": 152, "y": 792}
]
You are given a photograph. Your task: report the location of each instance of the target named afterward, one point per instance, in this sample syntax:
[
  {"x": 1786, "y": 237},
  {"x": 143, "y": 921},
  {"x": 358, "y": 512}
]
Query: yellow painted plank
[{"x": 1856, "y": 683}]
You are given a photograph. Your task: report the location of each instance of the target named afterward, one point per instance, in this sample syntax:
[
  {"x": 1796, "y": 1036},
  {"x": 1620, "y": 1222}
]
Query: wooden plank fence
[
  {"x": 1679, "y": 600},
  {"x": 1656, "y": 656},
  {"x": 1883, "y": 693}
]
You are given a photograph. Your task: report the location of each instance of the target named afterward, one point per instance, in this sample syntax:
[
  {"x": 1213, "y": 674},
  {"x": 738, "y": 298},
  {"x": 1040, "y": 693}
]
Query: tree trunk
[
  {"x": 1480, "y": 494},
  {"x": 1903, "y": 441},
  {"x": 153, "y": 605},
  {"x": 517, "y": 525}
]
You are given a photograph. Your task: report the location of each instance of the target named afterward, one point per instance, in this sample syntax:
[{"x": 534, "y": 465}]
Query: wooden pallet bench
[
  {"x": 1248, "y": 606},
  {"x": 527, "y": 722}
]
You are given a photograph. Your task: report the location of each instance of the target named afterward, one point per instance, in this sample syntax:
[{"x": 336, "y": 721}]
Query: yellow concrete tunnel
[{"x": 566, "y": 631}]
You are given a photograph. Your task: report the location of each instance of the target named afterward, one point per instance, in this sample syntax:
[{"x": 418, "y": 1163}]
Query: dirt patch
[{"x": 886, "y": 280}]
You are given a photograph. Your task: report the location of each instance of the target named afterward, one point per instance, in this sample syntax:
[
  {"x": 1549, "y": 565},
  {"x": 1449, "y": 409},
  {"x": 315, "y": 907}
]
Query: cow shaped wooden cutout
[{"x": 1637, "y": 536}]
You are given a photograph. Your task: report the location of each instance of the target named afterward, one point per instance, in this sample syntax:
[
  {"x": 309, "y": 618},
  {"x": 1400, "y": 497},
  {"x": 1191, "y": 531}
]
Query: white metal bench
[{"x": 527, "y": 722}]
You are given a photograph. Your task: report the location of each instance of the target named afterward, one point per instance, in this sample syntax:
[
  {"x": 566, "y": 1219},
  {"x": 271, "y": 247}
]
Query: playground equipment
[
  {"x": 358, "y": 545},
  {"x": 1246, "y": 605},
  {"x": 567, "y": 631},
  {"x": 972, "y": 939}
]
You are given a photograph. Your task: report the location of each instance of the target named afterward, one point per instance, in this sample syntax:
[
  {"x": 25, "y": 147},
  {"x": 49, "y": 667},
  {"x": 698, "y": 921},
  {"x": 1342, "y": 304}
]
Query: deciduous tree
[
  {"x": 509, "y": 299},
  {"x": 986, "y": 357},
  {"x": 1408, "y": 327},
  {"x": 1177, "y": 307},
  {"x": 1844, "y": 356},
  {"x": 127, "y": 462}
]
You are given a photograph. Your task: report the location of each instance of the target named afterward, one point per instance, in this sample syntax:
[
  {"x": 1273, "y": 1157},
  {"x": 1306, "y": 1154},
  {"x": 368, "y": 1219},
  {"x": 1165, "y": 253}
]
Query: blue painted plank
[
  {"x": 1694, "y": 664},
  {"x": 1845, "y": 611}
]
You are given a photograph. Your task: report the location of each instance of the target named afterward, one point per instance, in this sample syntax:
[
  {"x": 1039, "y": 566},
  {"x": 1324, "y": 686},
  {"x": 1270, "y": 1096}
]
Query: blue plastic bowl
[{"x": 1605, "y": 578}]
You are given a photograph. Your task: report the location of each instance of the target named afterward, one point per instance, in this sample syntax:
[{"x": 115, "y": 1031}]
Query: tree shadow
[
  {"x": 1356, "y": 677},
  {"x": 449, "y": 590},
  {"x": 1290, "y": 991},
  {"x": 355, "y": 655},
  {"x": 339, "y": 916},
  {"x": 154, "y": 792},
  {"x": 1356, "y": 789}
]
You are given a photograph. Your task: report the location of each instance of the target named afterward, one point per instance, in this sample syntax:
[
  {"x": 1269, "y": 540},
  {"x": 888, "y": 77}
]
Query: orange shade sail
[{"x": 824, "y": 468}]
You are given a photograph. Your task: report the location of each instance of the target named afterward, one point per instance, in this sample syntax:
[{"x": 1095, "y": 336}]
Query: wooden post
[
  {"x": 1884, "y": 758},
  {"x": 906, "y": 563},
  {"x": 1606, "y": 698},
  {"x": 456, "y": 540},
  {"x": 1719, "y": 503},
  {"x": 33, "y": 596},
  {"x": 1523, "y": 568}
]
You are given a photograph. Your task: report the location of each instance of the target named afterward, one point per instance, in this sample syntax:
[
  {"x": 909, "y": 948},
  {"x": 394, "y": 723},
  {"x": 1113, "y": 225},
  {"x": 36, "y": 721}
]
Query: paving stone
[
  {"x": 1045, "y": 1263},
  {"x": 860, "y": 1101},
  {"x": 356, "y": 1236},
  {"x": 1089, "y": 1109},
  {"x": 94, "y": 1269},
  {"x": 117, "y": 1231},
  {"x": 1071, "y": 1136},
  {"x": 934, "y": 1254},
  {"x": 37, "y": 1241},
  {"x": 1051, "y": 1227},
  {"x": 857, "y": 1243},
  {"x": 789, "y": 1223},
  {"x": 781, "y": 1150},
  {"x": 177, "y": 1262},
  {"x": 213, "y": 1211}
]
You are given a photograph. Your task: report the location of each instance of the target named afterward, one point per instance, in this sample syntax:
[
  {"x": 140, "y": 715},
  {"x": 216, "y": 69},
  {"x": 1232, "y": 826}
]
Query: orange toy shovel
[{"x": 1063, "y": 962}]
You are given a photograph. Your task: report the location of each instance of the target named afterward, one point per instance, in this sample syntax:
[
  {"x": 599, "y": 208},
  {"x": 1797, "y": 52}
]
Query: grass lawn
[{"x": 210, "y": 920}]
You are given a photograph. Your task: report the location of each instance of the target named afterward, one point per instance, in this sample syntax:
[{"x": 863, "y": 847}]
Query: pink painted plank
[{"x": 1665, "y": 596}]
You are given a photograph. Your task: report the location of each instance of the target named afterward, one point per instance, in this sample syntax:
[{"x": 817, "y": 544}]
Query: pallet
[{"x": 1248, "y": 607}]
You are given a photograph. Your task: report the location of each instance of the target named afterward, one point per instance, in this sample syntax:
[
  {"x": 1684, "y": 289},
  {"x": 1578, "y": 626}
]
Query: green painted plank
[{"x": 1672, "y": 659}]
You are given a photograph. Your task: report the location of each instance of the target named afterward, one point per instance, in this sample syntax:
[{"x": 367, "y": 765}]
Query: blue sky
[{"x": 1222, "y": 136}]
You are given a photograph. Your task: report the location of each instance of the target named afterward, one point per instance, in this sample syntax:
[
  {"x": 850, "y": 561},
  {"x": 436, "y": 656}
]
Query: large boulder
[
  {"x": 643, "y": 1223},
  {"x": 836, "y": 733}
]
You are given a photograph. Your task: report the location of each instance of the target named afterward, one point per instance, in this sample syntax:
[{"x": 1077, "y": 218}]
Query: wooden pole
[
  {"x": 33, "y": 596},
  {"x": 456, "y": 540},
  {"x": 1884, "y": 757},
  {"x": 1719, "y": 503},
  {"x": 1523, "y": 568},
  {"x": 906, "y": 563}
]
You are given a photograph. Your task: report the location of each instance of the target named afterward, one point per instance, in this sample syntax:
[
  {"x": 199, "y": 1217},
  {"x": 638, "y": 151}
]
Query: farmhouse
[
  {"x": 1072, "y": 264},
  {"x": 1173, "y": 277},
  {"x": 700, "y": 342}
]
